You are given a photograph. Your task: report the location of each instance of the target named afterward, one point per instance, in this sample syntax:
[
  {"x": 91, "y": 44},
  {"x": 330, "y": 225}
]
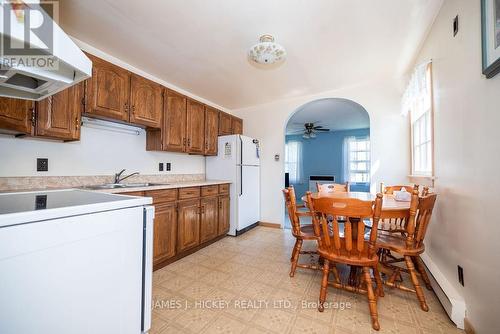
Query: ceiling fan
[{"x": 310, "y": 130}]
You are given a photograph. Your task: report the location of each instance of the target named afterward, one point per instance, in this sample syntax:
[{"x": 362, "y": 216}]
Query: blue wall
[{"x": 323, "y": 156}]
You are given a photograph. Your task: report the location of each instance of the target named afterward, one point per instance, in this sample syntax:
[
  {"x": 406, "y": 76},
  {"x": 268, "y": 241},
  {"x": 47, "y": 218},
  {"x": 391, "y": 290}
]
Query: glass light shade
[{"x": 267, "y": 51}]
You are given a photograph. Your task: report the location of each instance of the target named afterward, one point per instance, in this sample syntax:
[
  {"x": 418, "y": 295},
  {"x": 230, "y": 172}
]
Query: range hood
[{"x": 47, "y": 71}]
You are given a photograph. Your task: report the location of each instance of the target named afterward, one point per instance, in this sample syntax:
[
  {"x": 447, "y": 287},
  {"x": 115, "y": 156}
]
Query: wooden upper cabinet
[
  {"x": 108, "y": 90},
  {"x": 188, "y": 224},
  {"x": 145, "y": 102},
  {"x": 16, "y": 115},
  {"x": 165, "y": 232},
  {"x": 225, "y": 127},
  {"x": 236, "y": 126},
  {"x": 174, "y": 122},
  {"x": 195, "y": 127},
  {"x": 224, "y": 207},
  {"x": 58, "y": 116},
  {"x": 211, "y": 130}
]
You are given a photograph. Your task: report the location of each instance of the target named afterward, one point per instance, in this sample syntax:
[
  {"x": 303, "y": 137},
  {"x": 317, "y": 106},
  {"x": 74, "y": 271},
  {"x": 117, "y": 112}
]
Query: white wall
[
  {"x": 99, "y": 152},
  {"x": 388, "y": 130},
  {"x": 465, "y": 229}
]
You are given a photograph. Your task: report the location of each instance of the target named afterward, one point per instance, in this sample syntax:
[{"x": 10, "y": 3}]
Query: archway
[{"x": 327, "y": 141}]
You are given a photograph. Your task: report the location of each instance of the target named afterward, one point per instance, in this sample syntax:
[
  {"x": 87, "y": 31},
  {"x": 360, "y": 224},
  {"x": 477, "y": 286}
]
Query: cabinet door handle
[
  {"x": 77, "y": 123},
  {"x": 126, "y": 107}
]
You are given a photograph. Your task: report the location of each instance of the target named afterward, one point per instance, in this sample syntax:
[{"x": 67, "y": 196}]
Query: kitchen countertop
[
  {"x": 172, "y": 185},
  {"x": 160, "y": 186}
]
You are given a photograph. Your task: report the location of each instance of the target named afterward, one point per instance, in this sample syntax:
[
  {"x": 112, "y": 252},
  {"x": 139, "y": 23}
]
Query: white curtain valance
[{"x": 417, "y": 98}]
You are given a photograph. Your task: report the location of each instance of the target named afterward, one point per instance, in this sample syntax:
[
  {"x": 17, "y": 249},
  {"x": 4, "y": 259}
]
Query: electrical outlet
[
  {"x": 169, "y": 166},
  {"x": 42, "y": 165},
  {"x": 461, "y": 275},
  {"x": 160, "y": 167}
]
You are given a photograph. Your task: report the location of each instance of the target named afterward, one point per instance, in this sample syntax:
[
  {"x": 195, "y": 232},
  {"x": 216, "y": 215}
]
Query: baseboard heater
[{"x": 452, "y": 301}]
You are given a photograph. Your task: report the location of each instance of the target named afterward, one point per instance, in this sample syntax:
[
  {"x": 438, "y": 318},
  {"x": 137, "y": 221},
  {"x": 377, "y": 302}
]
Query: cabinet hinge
[{"x": 33, "y": 116}]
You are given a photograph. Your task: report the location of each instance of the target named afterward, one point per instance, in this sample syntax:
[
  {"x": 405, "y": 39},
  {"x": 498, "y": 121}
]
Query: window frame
[
  {"x": 413, "y": 172},
  {"x": 367, "y": 171}
]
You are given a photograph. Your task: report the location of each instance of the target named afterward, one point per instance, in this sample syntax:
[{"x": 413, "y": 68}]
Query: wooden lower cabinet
[
  {"x": 165, "y": 232},
  {"x": 188, "y": 224},
  {"x": 186, "y": 219},
  {"x": 224, "y": 206},
  {"x": 209, "y": 218}
]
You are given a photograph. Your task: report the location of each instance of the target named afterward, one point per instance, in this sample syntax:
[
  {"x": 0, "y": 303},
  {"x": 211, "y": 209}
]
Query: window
[
  {"x": 358, "y": 159},
  {"x": 293, "y": 161},
  {"x": 418, "y": 102}
]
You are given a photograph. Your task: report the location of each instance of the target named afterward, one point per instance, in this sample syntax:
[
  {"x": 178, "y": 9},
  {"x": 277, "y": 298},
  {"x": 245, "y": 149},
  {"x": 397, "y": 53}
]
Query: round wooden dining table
[{"x": 390, "y": 207}]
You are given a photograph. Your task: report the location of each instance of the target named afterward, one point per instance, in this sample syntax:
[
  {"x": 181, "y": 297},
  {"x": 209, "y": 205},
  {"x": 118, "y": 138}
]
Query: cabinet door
[
  {"x": 223, "y": 215},
  {"x": 237, "y": 126},
  {"x": 58, "y": 116},
  {"x": 108, "y": 90},
  {"x": 145, "y": 101},
  {"x": 225, "y": 124},
  {"x": 211, "y": 130},
  {"x": 209, "y": 216},
  {"x": 188, "y": 224},
  {"x": 165, "y": 232},
  {"x": 195, "y": 127},
  {"x": 174, "y": 122},
  {"x": 16, "y": 115}
]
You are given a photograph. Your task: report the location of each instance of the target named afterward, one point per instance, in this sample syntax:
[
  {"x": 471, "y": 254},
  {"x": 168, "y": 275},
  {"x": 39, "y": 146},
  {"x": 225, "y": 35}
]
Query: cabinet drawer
[
  {"x": 133, "y": 193},
  {"x": 190, "y": 192},
  {"x": 209, "y": 190},
  {"x": 162, "y": 195},
  {"x": 224, "y": 188}
]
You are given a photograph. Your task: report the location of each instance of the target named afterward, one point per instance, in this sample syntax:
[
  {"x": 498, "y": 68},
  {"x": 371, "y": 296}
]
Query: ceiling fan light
[
  {"x": 305, "y": 136},
  {"x": 312, "y": 135}
]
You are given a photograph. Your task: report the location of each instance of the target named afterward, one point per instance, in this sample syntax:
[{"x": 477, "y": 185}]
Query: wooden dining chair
[
  {"x": 395, "y": 221},
  {"x": 300, "y": 231},
  {"x": 409, "y": 245},
  {"x": 352, "y": 248},
  {"x": 389, "y": 190},
  {"x": 332, "y": 187}
]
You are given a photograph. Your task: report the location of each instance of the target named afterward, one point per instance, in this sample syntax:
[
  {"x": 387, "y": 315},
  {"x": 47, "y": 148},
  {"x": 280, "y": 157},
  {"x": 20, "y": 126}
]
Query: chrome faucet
[{"x": 119, "y": 179}]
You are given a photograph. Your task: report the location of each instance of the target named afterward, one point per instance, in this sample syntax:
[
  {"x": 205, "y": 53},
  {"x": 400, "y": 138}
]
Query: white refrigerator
[{"x": 238, "y": 161}]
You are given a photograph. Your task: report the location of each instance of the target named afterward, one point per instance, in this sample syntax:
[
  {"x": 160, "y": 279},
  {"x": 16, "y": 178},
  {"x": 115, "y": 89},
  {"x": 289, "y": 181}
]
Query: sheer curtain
[
  {"x": 293, "y": 161},
  {"x": 345, "y": 160}
]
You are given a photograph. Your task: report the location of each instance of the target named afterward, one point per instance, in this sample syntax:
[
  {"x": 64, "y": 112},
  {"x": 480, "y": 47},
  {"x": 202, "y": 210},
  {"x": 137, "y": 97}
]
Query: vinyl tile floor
[{"x": 241, "y": 285}]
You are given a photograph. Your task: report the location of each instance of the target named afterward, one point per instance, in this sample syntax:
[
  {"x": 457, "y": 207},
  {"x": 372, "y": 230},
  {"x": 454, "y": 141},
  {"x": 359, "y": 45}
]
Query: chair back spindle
[{"x": 352, "y": 212}]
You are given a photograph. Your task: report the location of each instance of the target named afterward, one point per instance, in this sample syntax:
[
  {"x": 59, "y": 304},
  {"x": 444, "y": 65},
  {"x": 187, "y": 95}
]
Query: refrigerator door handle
[
  {"x": 241, "y": 180},
  {"x": 241, "y": 150}
]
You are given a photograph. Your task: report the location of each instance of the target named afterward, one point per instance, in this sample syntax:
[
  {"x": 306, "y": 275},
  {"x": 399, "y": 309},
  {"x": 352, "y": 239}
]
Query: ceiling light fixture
[{"x": 267, "y": 51}]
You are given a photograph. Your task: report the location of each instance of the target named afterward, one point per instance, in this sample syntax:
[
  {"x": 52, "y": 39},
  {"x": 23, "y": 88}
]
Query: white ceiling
[
  {"x": 333, "y": 114},
  {"x": 201, "y": 46}
]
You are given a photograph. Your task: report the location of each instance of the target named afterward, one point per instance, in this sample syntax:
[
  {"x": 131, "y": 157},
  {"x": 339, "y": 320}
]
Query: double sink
[{"x": 123, "y": 185}]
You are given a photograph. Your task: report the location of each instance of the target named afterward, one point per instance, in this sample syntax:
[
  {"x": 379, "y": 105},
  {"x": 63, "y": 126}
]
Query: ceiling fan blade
[
  {"x": 325, "y": 130},
  {"x": 318, "y": 127}
]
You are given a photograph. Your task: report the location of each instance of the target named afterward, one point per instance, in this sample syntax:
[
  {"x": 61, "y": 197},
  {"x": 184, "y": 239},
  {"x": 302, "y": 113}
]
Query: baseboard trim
[
  {"x": 272, "y": 225},
  {"x": 452, "y": 301},
  {"x": 468, "y": 327}
]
